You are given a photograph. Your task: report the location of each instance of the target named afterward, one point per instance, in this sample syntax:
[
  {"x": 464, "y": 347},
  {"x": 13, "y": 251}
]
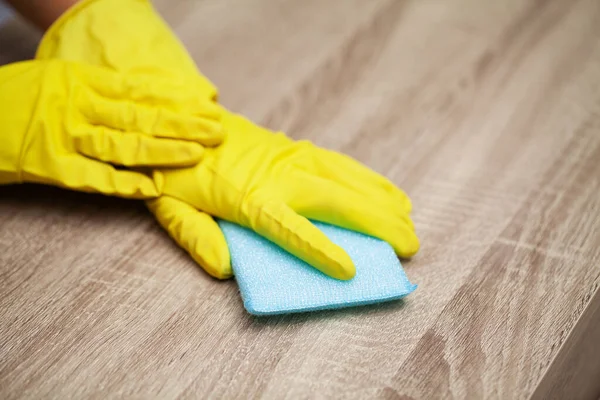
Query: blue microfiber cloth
[{"x": 272, "y": 281}]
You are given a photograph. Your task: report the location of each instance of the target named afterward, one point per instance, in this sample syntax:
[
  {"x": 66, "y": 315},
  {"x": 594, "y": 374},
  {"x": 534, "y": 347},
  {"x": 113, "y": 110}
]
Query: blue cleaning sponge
[{"x": 272, "y": 281}]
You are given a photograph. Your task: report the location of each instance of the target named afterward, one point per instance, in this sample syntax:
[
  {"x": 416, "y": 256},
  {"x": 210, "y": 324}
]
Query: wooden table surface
[{"x": 487, "y": 113}]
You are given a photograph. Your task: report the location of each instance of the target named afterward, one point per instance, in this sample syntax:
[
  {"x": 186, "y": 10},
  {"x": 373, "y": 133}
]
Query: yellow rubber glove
[
  {"x": 65, "y": 123},
  {"x": 130, "y": 36},
  {"x": 124, "y": 35},
  {"x": 272, "y": 184},
  {"x": 94, "y": 30}
]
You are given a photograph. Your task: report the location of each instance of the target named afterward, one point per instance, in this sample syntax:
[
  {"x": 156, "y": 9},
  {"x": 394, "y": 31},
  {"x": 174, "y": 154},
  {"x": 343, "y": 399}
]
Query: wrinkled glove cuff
[
  {"x": 46, "y": 44},
  {"x": 77, "y": 20}
]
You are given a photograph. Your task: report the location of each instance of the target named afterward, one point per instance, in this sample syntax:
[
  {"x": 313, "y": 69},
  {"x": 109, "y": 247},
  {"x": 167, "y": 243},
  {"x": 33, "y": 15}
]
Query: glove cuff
[
  {"x": 46, "y": 48},
  {"x": 93, "y": 31}
]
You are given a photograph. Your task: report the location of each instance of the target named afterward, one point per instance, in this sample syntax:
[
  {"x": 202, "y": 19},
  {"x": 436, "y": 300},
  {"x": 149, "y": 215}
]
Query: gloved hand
[
  {"x": 130, "y": 36},
  {"x": 63, "y": 123},
  {"x": 93, "y": 32},
  {"x": 270, "y": 183}
]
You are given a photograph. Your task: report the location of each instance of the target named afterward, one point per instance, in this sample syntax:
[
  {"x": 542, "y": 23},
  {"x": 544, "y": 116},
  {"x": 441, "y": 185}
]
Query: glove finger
[
  {"x": 352, "y": 174},
  {"x": 333, "y": 203},
  {"x": 134, "y": 149},
  {"x": 294, "y": 233},
  {"x": 151, "y": 120},
  {"x": 87, "y": 175},
  {"x": 196, "y": 232}
]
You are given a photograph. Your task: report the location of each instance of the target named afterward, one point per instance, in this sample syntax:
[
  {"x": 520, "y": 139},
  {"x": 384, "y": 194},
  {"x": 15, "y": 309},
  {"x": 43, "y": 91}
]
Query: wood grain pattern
[{"x": 486, "y": 113}]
